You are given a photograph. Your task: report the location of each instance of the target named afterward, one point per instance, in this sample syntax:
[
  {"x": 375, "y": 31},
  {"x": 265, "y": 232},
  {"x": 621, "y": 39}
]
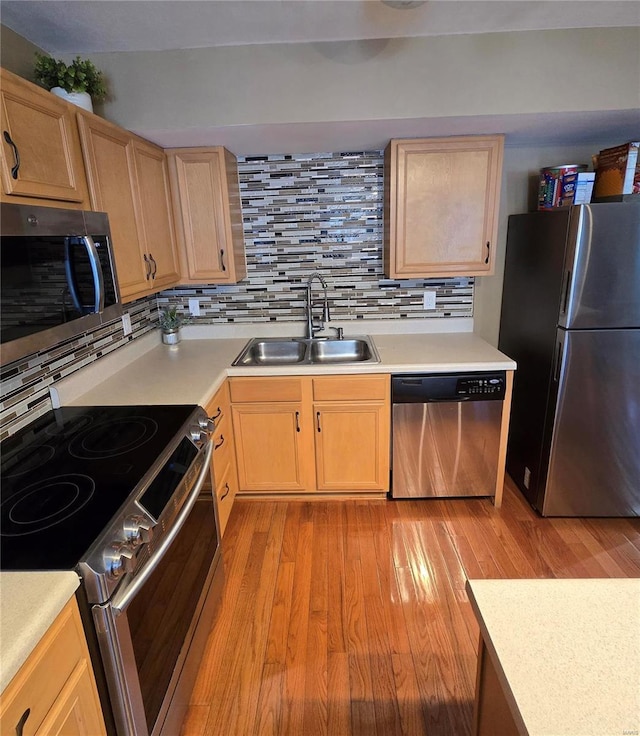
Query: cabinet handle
[
  {"x": 486, "y": 260},
  {"x": 224, "y": 495},
  {"x": 222, "y": 266},
  {"x": 22, "y": 721},
  {"x": 215, "y": 447},
  {"x": 16, "y": 155},
  {"x": 155, "y": 266},
  {"x": 318, "y": 421},
  {"x": 216, "y": 415},
  {"x": 297, "y": 421},
  {"x": 147, "y": 263}
]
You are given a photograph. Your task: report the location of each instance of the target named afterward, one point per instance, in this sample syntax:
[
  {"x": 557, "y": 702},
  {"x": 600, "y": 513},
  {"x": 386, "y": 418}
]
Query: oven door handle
[{"x": 124, "y": 597}]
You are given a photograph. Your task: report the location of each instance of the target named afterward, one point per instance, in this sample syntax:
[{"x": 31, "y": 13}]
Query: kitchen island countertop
[{"x": 566, "y": 652}]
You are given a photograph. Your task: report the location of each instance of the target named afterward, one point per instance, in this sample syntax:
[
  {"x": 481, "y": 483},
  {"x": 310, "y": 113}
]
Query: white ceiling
[{"x": 80, "y": 26}]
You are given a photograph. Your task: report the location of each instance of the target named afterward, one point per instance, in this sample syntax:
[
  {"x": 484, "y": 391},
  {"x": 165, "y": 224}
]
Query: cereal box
[{"x": 618, "y": 171}]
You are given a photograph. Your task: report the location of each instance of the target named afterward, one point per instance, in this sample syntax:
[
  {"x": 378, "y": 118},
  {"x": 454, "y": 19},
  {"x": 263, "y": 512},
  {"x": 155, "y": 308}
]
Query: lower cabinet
[
  {"x": 54, "y": 692},
  {"x": 311, "y": 434},
  {"x": 225, "y": 478}
]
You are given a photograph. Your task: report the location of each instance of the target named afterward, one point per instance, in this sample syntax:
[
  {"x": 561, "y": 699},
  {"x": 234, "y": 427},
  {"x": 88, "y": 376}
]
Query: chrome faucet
[{"x": 312, "y": 325}]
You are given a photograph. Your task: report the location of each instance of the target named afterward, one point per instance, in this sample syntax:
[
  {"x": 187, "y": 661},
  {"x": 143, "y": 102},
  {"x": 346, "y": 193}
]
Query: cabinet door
[
  {"x": 269, "y": 447},
  {"x": 208, "y": 215},
  {"x": 76, "y": 711},
  {"x": 441, "y": 206},
  {"x": 352, "y": 446},
  {"x": 155, "y": 212},
  {"x": 109, "y": 160},
  {"x": 40, "y": 148}
]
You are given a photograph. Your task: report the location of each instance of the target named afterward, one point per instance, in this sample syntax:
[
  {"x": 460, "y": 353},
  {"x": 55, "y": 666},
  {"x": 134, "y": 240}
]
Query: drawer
[
  {"x": 219, "y": 404},
  {"x": 226, "y": 489},
  {"x": 40, "y": 680},
  {"x": 351, "y": 388},
  {"x": 222, "y": 442},
  {"x": 265, "y": 389}
]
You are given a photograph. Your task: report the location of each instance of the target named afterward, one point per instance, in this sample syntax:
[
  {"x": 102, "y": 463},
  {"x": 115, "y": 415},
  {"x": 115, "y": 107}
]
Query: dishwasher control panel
[
  {"x": 432, "y": 387},
  {"x": 487, "y": 386}
]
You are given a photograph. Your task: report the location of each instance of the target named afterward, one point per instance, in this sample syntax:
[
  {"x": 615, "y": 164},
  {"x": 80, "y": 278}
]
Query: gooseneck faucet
[{"x": 312, "y": 325}]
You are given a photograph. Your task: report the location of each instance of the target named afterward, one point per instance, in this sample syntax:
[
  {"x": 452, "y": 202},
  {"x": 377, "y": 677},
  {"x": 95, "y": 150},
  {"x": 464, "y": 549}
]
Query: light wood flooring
[{"x": 351, "y": 618}]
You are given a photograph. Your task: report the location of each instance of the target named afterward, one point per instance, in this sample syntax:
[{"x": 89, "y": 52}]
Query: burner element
[
  {"x": 112, "y": 438},
  {"x": 25, "y": 460},
  {"x": 45, "y": 503}
]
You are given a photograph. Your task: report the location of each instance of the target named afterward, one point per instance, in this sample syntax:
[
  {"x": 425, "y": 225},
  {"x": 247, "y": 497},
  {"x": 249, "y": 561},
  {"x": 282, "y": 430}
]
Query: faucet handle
[{"x": 339, "y": 332}]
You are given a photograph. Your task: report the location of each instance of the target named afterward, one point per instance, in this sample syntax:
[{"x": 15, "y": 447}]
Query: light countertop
[
  {"x": 29, "y": 604},
  {"x": 567, "y": 652},
  {"x": 192, "y": 371}
]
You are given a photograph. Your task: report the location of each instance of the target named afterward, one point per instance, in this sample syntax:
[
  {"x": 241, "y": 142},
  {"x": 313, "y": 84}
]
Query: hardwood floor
[{"x": 351, "y": 618}]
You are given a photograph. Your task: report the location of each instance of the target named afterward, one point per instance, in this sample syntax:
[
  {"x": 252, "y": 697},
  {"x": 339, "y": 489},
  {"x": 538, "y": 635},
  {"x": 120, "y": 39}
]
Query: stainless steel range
[{"x": 118, "y": 494}]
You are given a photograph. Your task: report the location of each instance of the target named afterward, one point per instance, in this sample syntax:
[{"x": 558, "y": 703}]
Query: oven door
[{"x": 152, "y": 632}]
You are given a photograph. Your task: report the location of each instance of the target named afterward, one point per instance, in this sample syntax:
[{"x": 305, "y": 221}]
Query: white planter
[{"x": 81, "y": 99}]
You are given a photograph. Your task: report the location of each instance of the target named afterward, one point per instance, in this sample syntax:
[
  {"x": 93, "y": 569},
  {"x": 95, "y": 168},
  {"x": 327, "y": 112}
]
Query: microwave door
[{"x": 81, "y": 279}]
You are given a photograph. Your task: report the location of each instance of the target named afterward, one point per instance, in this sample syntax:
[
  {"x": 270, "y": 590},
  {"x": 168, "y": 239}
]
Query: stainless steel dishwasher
[{"x": 446, "y": 434}]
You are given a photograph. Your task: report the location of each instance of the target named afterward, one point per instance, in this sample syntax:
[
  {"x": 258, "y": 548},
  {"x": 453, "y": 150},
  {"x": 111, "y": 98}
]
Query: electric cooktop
[{"x": 67, "y": 474}]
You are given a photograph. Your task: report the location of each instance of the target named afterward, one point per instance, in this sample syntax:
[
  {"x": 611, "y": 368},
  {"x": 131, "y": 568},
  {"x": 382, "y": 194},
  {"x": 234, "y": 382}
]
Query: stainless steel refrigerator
[{"x": 571, "y": 319}]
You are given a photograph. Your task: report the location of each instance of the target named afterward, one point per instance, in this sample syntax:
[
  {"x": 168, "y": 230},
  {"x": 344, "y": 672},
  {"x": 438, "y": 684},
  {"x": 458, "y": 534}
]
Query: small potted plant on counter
[
  {"x": 79, "y": 82},
  {"x": 170, "y": 324}
]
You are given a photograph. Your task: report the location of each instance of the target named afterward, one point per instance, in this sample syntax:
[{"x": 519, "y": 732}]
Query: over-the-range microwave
[{"x": 58, "y": 277}]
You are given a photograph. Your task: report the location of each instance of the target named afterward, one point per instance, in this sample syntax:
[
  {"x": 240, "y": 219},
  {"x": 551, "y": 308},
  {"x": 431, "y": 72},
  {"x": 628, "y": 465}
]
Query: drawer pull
[
  {"x": 226, "y": 493},
  {"x": 22, "y": 721},
  {"x": 215, "y": 447},
  {"x": 16, "y": 155},
  {"x": 216, "y": 415}
]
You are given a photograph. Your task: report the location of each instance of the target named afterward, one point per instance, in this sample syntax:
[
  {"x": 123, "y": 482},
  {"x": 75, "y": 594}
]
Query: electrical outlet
[
  {"x": 429, "y": 299},
  {"x": 126, "y": 324},
  {"x": 194, "y": 307}
]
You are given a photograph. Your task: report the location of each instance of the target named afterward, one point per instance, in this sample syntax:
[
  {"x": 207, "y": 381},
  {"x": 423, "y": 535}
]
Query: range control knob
[
  {"x": 119, "y": 559},
  {"x": 198, "y": 435},
  {"x": 137, "y": 530},
  {"x": 206, "y": 424}
]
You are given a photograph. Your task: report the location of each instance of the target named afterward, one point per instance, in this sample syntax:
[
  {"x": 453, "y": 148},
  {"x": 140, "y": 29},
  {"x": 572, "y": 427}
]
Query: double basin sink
[{"x": 266, "y": 351}]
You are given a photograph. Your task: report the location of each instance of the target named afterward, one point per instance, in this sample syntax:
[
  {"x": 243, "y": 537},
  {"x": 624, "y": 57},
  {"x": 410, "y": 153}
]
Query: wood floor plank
[{"x": 350, "y": 618}]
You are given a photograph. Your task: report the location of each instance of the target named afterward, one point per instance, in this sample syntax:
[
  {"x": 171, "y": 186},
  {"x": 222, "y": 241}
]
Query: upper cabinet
[
  {"x": 128, "y": 179},
  {"x": 441, "y": 206},
  {"x": 41, "y": 155},
  {"x": 208, "y": 215}
]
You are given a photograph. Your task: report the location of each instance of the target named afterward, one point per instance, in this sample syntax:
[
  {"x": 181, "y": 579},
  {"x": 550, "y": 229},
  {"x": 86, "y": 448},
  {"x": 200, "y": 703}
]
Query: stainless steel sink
[
  {"x": 350, "y": 350},
  {"x": 266, "y": 351}
]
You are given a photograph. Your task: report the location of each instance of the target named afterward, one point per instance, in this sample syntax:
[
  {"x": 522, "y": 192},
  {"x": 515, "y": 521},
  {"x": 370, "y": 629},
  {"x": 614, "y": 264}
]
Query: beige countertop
[
  {"x": 567, "y": 652},
  {"x": 191, "y": 372},
  {"x": 29, "y": 604}
]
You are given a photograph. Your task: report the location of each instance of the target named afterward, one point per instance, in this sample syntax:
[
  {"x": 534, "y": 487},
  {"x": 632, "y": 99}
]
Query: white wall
[{"x": 466, "y": 75}]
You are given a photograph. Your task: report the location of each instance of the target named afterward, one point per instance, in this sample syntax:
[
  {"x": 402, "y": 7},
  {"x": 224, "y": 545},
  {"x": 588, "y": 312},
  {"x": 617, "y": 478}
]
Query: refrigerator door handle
[
  {"x": 557, "y": 359},
  {"x": 567, "y": 287}
]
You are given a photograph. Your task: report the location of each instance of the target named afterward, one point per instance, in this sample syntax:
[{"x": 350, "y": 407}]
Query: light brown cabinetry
[
  {"x": 54, "y": 692},
  {"x": 206, "y": 200},
  {"x": 441, "y": 206},
  {"x": 41, "y": 157},
  {"x": 311, "y": 434},
  {"x": 128, "y": 179},
  {"x": 225, "y": 477}
]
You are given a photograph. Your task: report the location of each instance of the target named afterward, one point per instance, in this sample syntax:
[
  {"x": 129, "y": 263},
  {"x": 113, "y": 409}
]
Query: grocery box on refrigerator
[{"x": 618, "y": 171}]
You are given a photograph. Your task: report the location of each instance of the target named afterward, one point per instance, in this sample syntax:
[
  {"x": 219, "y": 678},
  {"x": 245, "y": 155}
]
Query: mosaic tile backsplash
[
  {"x": 317, "y": 212},
  {"x": 302, "y": 213},
  {"x": 24, "y": 392}
]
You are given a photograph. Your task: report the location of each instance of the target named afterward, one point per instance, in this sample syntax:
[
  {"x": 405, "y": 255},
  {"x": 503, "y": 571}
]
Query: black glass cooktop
[{"x": 68, "y": 473}]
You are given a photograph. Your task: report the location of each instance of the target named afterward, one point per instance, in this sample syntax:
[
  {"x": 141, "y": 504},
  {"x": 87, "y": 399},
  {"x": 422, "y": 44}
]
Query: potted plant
[
  {"x": 79, "y": 82},
  {"x": 170, "y": 324}
]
